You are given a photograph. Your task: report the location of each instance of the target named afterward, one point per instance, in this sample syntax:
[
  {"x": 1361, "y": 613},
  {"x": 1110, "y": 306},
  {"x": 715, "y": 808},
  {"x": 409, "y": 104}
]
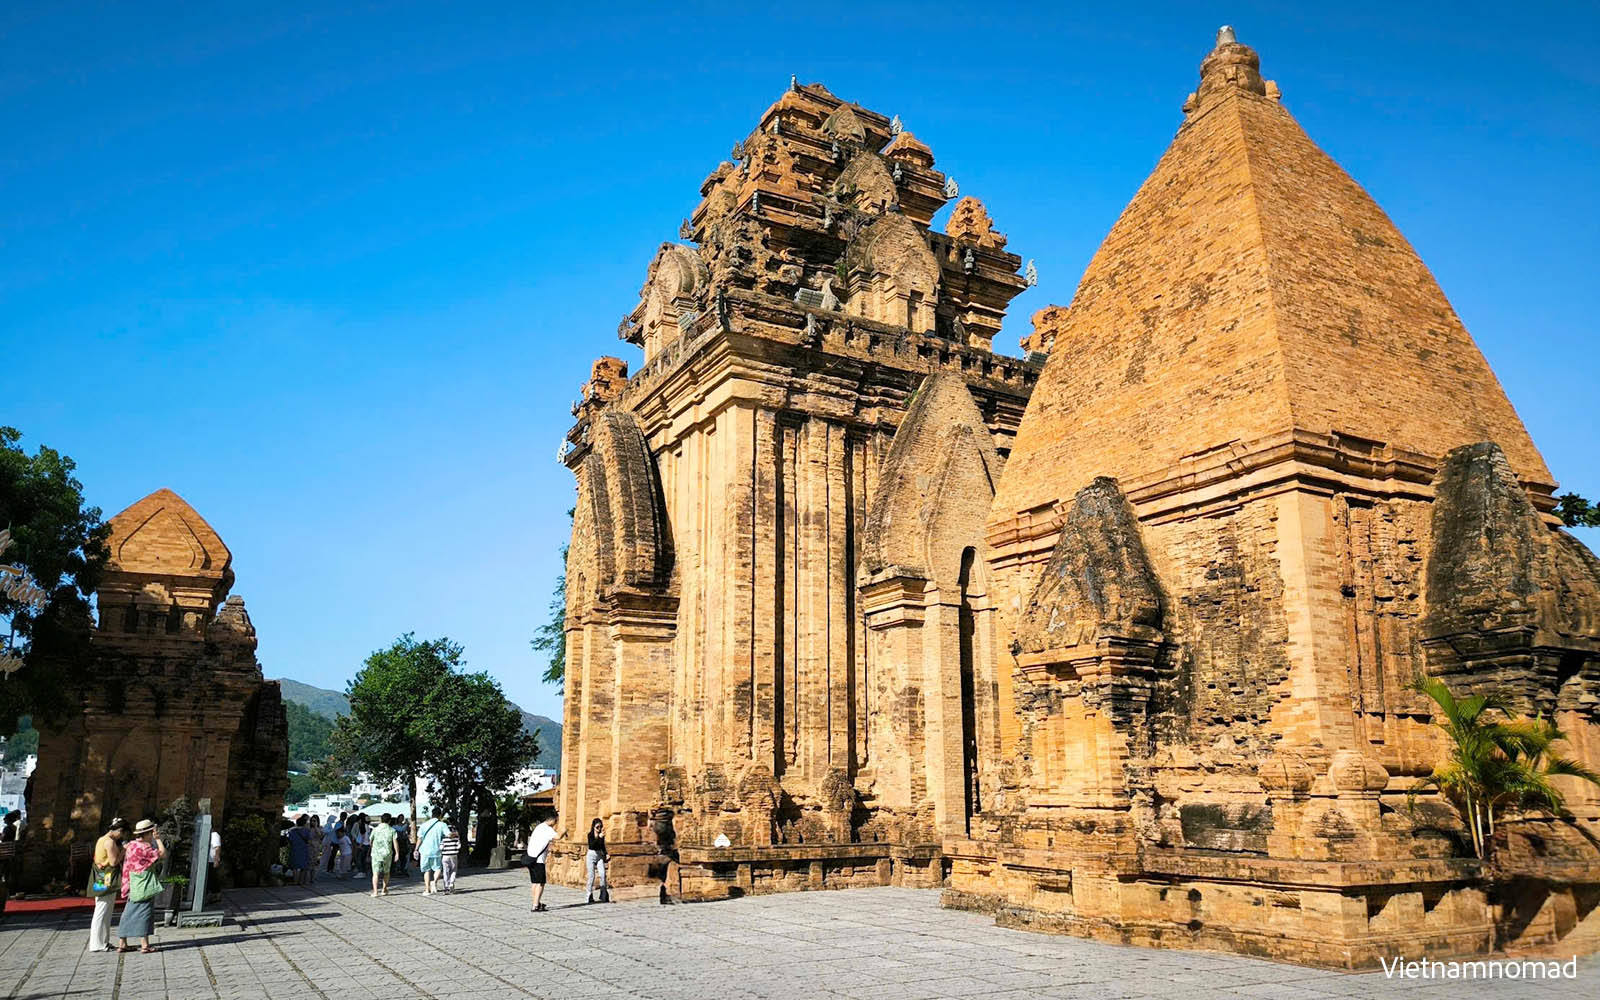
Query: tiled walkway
[{"x": 335, "y": 942}]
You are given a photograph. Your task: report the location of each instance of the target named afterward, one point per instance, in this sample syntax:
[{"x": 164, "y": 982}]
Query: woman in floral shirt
[{"x": 138, "y": 918}]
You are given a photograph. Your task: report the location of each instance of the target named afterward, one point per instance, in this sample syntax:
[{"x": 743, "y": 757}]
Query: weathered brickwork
[
  {"x": 178, "y": 706},
  {"x": 1266, "y": 478},
  {"x": 1137, "y": 665},
  {"x": 787, "y": 696}
]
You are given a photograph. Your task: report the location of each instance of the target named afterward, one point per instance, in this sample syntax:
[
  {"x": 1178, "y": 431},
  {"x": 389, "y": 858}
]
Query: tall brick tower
[
  {"x": 778, "y": 517},
  {"x": 1266, "y": 479}
]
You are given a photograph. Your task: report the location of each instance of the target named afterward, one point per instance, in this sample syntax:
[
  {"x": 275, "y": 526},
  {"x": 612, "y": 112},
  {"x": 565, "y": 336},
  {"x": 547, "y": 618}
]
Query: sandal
[
  {"x": 121, "y": 948},
  {"x": 147, "y": 950}
]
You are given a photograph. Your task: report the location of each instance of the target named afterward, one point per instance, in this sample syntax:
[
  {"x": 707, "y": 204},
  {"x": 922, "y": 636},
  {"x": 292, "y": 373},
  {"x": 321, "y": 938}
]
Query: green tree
[
  {"x": 21, "y": 743},
  {"x": 46, "y": 529},
  {"x": 329, "y": 775},
  {"x": 551, "y": 638},
  {"x": 310, "y": 735},
  {"x": 1495, "y": 764},
  {"x": 301, "y": 787},
  {"x": 476, "y": 744},
  {"x": 387, "y": 731},
  {"x": 1576, "y": 512}
]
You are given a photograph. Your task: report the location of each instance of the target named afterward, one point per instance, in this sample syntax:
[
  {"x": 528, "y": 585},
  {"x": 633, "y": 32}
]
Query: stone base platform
[
  {"x": 1349, "y": 915},
  {"x": 730, "y": 872},
  {"x": 638, "y": 871}
]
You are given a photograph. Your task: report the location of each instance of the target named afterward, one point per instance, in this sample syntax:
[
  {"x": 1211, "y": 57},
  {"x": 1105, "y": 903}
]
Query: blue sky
[{"x": 335, "y": 277}]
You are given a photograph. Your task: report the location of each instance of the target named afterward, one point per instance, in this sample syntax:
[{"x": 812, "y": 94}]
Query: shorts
[
  {"x": 382, "y": 866},
  {"x": 536, "y": 873},
  {"x": 431, "y": 863}
]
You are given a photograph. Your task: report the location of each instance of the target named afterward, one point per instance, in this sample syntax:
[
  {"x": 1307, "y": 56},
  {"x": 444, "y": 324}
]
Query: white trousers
[
  {"x": 596, "y": 865},
  {"x": 100, "y": 926}
]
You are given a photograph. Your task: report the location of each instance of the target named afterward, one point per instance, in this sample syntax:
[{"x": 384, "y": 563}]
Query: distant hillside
[
  {"x": 332, "y": 704},
  {"x": 549, "y": 733},
  {"x": 320, "y": 700}
]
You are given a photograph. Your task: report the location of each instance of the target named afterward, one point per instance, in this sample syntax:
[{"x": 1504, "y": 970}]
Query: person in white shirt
[
  {"x": 539, "y": 843},
  {"x": 214, "y": 862}
]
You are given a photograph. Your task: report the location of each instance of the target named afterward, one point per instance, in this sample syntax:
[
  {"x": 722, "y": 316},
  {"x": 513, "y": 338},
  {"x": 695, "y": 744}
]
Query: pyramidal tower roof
[
  {"x": 1252, "y": 293},
  {"x": 163, "y": 535}
]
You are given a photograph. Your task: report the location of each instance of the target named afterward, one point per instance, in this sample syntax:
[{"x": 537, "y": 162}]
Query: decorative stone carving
[{"x": 892, "y": 276}]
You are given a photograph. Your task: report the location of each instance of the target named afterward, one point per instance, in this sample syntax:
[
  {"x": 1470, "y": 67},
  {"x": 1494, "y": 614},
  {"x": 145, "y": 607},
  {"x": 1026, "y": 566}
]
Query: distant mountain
[
  {"x": 332, "y": 704},
  {"x": 319, "y": 700},
  {"x": 549, "y": 733}
]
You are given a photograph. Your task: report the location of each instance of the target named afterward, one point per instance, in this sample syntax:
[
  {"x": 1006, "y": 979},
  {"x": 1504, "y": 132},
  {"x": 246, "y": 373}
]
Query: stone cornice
[{"x": 1238, "y": 471}]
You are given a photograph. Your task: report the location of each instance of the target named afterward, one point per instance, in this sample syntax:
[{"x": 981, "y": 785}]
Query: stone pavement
[{"x": 333, "y": 941}]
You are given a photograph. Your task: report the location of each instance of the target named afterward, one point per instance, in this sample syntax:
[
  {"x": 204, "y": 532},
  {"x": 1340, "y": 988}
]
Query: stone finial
[
  {"x": 908, "y": 149},
  {"x": 1047, "y": 322},
  {"x": 970, "y": 223},
  {"x": 607, "y": 378},
  {"x": 1230, "y": 67}
]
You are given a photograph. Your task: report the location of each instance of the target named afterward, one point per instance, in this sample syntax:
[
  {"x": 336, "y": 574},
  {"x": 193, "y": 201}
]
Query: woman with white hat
[{"x": 140, "y": 886}]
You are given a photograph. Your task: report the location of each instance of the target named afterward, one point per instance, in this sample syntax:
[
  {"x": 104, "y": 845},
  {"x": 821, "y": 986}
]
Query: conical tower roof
[{"x": 1251, "y": 292}]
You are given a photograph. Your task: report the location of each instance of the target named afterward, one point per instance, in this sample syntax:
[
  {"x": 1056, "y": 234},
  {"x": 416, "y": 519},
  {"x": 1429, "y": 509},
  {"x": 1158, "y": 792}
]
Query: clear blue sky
[{"x": 335, "y": 277}]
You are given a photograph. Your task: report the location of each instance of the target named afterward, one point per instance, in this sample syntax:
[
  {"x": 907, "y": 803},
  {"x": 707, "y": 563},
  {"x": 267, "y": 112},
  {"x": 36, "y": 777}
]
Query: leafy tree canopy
[
  {"x": 387, "y": 729},
  {"x": 1576, "y": 512},
  {"x": 476, "y": 742},
  {"x": 414, "y": 713},
  {"x": 60, "y": 541},
  {"x": 310, "y": 735},
  {"x": 21, "y": 743},
  {"x": 551, "y": 637},
  {"x": 1496, "y": 762}
]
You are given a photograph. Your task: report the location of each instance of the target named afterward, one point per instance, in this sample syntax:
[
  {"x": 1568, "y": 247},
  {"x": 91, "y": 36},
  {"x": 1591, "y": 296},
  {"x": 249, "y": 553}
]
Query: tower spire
[{"x": 1230, "y": 67}]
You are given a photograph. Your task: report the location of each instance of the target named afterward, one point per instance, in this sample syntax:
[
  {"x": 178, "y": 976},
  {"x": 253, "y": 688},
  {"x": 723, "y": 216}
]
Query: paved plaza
[{"x": 334, "y": 941}]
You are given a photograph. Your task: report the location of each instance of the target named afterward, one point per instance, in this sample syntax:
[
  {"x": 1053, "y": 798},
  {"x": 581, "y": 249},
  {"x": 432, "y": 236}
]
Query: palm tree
[{"x": 1495, "y": 765}]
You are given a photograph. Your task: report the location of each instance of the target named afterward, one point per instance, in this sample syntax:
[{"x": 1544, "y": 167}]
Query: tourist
[
  {"x": 428, "y": 851},
  {"x": 449, "y": 854},
  {"x": 317, "y": 837},
  {"x": 140, "y": 886},
  {"x": 385, "y": 852},
  {"x": 403, "y": 834},
  {"x": 539, "y": 843},
  {"x": 300, "y": 850},
  {"x": 103, "y": 883},
  {"x": 343, "y": 849},
  {"x": 214, "y": 864},
  {"x": 12, "y": 827},
  {"x": 363, "y": 844},
  {"x": 338, "y": 833},
  {"x": 595, "y": 861}
]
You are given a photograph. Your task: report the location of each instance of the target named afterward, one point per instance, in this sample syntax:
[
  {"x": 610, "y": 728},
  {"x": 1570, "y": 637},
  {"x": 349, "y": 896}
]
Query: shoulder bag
[{"x": 143, "y": 886}]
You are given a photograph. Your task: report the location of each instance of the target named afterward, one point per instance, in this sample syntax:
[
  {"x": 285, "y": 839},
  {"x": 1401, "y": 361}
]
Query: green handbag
[
  {"x": 104, "y": 880},
  {"x": 143, "y": 886}
]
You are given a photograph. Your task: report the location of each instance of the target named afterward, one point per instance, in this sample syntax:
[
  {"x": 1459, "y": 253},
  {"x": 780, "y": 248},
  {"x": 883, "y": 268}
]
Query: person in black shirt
[{"x": 596, "y": 861}]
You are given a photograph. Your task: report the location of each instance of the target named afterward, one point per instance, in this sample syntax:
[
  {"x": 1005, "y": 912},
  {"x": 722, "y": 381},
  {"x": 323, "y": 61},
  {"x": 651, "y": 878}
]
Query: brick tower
[
  {"x": 778, "y": 518},
  {"x": 1265, "y": 480}
]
